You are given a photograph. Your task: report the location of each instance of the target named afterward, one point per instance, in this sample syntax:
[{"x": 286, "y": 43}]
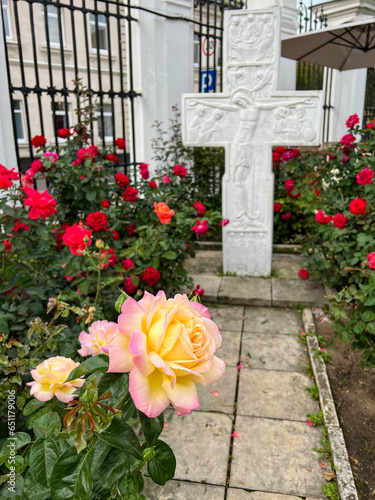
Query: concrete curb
[{"x": 344, "y": 474}]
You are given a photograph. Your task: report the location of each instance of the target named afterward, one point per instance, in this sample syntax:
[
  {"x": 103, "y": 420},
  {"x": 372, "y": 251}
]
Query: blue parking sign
[{"x": 212, "y": 77}]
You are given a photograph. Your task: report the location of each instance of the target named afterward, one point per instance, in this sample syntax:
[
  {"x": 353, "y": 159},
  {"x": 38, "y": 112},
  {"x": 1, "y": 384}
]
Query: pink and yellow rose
[
  {"x": 167, "y": 345},
  {"x": 101, "y": 334},
  {"x": 50, "y": 380}
]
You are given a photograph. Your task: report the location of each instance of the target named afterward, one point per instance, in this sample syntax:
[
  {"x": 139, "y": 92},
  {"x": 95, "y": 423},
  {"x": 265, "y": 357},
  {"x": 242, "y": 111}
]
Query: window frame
[
  {"x": 62, "y": 112},
  {"x": 92, "y": 26},
  {"x": 108, "y": 114},
  {"x": 6, "y": 11},
  {"x": 54, "y": 15},
  {"x": 20, "y": 112}
]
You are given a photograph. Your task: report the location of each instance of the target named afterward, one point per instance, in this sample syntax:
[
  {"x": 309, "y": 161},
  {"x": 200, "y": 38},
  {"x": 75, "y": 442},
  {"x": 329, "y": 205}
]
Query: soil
[{"x": 354, "y": 394}]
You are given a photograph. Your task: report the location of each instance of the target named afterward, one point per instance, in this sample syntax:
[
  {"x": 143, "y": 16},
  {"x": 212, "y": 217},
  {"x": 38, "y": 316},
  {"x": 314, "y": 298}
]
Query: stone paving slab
[
  {"x": 274, "y": 455},
  {"x": 236, "y": 494},
  {"x": 226, "y": 387},
  {"x": 272, "y": 352},
  {"x": 230, "y": 348},
  {"x": 210, "y": 284},
  {"x": 272, "y": 320},
  {"x": 201, "y": 444},
  {"x": 286, "y": 293},
  {"x": 227, "y": 317},
  {"x": 286, "y": 270},
  {"x": 274, "y": 394},
  {"x": 252, "y": 291},
  {"x": 205, "y": 262},
  {"x": 181, "y": 490}
]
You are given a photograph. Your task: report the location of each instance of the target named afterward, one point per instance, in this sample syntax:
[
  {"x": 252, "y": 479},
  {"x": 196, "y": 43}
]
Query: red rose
[
  {"x": 77, "y": 238},
  {"x": 358, "y": 207},
  {"x": 129, "y": 287},
  {"x": 130, "y": 194},
  {"x": 143, "y": 167},
  {"x": 352, "y": 121},
  {"x": 122, "y": 180},
  {"x": 42, "y": 204},
  {"x": 322, "y": 218},
  {"x": 11, "y": 174},
  {"x": 317, "y": 192},
  {"x": 304, "y": 274},
  {"x": 127, "y": 264},
  {"x": 371, "y": 258},
  {"x": 180, "y": 171},
  {"x": 85, "y": 153},
  {"x": 200, "y": 208},
  {"x": 289, "y": 154},
  {"x": 276, "y": 157},
  {"x": 110, "y": 255},
  {"x": 38, "y": 141},
  {"x": 286, "y": 216},
  {"x": 36, "y": 166},
  {"x": 370, "y": 125},
  {"x": 105, "y": 204},
  {"x": 130, "y": 228},
  {"x": 280, "y": 150},
  {"x": 120, "y": 143},
  {"x": 8, "y": 245},
  {"x": 113, "y": 158},
  {"x": 289, "y": 185},
  {"x": 198, "y": 291},
  {"x": 151, "y": 276},
  {"x": 152, "y": 184},
  {"x": 345, "y": 159},
  {"x": 20, "y": 225},
  {"x": 277, "y": 207},
  {"x": 64, "y": 133},
  {"x": 365, "y": 176},
  {"x": 5, "y": 182},
  {"x": 339, "y": 220},
  {"x": 97, "y": 221},
  {"x": 59, "y": 240},
  {"x": 224, "y": 222},
  {"x": 347, "y": 140},
  {"x": 200, "y": 228},
  {"x": 115, "y": 235}
]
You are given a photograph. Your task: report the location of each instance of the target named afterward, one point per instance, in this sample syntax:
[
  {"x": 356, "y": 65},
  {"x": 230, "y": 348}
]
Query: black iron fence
[
  {"x": 312, "y": 76},
  {"x": 208, "y": 41},
  {"x": 369, "y": 107},
  {"x": 50, "y": 46}
]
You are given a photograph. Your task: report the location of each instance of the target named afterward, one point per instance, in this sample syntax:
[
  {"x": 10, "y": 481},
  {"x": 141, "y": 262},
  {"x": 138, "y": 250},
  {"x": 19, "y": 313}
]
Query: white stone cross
[{"x": 248, "y": 118}]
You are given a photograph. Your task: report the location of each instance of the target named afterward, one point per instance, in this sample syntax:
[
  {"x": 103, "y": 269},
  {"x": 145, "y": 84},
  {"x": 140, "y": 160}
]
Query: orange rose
[{"x": 163, "y": 212}]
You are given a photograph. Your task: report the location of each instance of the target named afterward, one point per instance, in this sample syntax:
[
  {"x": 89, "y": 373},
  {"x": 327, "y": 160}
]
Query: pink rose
[
  {"x": 286, "y": 216},
  {"x": 167, "y": 179},
  {"x": 224, "y": 222},
  {"x": 101, "y": 334},
  {"x": 127, "y": 264},
  {"x": 200, "y": 228},
  {"x": 322, "y": 218},
  {"x": 339, "y": 220},
  {"x": 167, "y": 346},
  {"x": 352, "y": 121},
  {"x": 200, "y": 208},
  {"x": 365, "y": 176}
]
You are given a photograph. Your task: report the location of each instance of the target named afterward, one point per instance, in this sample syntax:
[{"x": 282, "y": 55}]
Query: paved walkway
[{"x": 265, "y": 403}]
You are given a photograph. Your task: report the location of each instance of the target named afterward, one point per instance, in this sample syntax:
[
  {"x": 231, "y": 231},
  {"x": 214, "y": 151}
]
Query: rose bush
[
  {"x": 77, "y": 439},
  {"x": 337, "y": 211}
]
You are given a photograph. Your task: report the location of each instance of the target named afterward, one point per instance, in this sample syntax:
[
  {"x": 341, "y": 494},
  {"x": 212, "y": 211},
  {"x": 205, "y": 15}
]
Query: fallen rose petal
[
  {"x": 165, "y": 424},
  {"x": 235, "y": 435},
  {"x": 309, "y": 423},
  {"x": 216, "y": 394},
  {"x": 322, "y": 465},
  {"x": 240, "y": 367}
]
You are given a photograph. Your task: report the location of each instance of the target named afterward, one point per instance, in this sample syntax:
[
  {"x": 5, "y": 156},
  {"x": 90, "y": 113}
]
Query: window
[
  {"x": 196, "y": 48},
  {"x": 107, "y": 119},
  {"x": 6, "y": 17},
  {"x": 53, "y": 26},
  {"x": 18, "y": 119},
  {"x": 62, "y": 119},
  {"x": 98, "y": 31}
]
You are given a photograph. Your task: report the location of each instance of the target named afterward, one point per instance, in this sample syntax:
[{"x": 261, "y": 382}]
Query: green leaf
[
  {"x": 371, "y": 328},
  {"x": 121, "y": 436},
  {"x": 163, "y": 467},
  {"x": 169, "y": 255},
  {"x": 368, "y": 316},
  {"x": 84, "y": 287},
  {"x": 34, "y": 490},
  {"x": 43, "y": 455},
  {"x": 33, "y": 418},
  {"x": 370, "y": 301},
  {"x": 32, "y": 406},
  {"x": 17, "y": 441},
  {"x": 116, "y": 464},
  {"x": 359, "y": 327},
  {"x": 346, "y": 336},
  {"x": 90, "y": 195},
  {"x": 151, "y": 427},
  {"x": 47, "y": 425},
  {"x": 101, "y": 450},
  {"x": 97, "y": 363},
  {"x": 338, "y": 326},
  {"x": 71, "y": 476}
]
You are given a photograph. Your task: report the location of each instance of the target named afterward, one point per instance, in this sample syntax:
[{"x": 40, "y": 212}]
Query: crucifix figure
[{"x": 248, "y": 118}]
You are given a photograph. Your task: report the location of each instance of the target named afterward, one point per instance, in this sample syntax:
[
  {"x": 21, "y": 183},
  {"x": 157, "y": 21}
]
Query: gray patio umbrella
[{"x": 347, "y": 46}]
